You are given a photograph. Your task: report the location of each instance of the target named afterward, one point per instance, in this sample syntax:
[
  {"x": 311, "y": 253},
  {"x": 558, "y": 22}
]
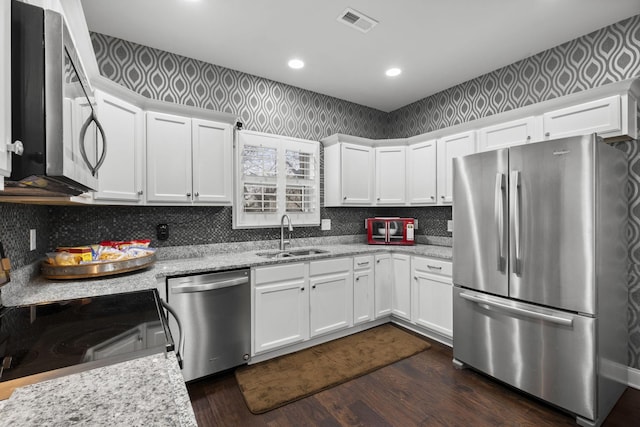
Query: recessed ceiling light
[
  {"x": 296, "y": 64},
  {"x": 392, "y": 72}
]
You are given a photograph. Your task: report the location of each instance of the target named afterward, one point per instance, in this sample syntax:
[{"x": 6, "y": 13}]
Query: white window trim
[{"x": 244, "y": 220}]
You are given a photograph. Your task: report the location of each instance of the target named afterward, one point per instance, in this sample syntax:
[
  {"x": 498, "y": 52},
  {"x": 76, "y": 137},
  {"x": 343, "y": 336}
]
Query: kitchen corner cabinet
[
  {"x": 331, "y": 295},
  {"x": 432, "y": 295},
  {"x": 401, "y": 296},
  {"x": 390, "y": 167},
  {"x": 189, "y": 161},
  {"x": 5, "y": 90},
  {"x": 280, "y": 306},
  {"x": 348, "y": 175},
  {"x": 421, "y": 173},
  {"x": 383, "y": 285},
  {"x": 363, "y": 289},
  {"x": 448, "y": 148},
  {"x": 121, "y": 176},
  {"x": 503, "y": 135}
]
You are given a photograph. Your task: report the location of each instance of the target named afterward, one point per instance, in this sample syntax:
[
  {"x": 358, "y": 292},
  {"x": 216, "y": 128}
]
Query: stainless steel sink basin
[{"x": 291, "y": 253}]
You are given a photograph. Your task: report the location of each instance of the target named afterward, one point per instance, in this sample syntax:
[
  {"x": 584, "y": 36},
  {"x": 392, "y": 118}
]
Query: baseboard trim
[{"x": 634, "y": 378}]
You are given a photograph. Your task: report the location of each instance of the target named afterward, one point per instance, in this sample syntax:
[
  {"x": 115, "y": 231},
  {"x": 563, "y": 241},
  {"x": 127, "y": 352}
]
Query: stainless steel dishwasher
[{"x": 215, "y": 310}]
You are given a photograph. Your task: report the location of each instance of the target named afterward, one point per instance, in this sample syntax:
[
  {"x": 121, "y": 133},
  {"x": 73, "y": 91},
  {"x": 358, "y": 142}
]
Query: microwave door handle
[{"x": 83, "y": 152}]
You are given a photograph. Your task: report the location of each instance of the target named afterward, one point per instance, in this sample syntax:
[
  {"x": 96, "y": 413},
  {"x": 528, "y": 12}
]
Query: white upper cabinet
[
  {"x": 188, "y": 160},
  {"x": 5, "y": 90},
  {"x": 503, "y": 135},
  {"x": 390, "y": 175},
  {"x": 421, "y": 173},
  {"x": 212, "y": 145},
  {"x": 121, "y": 175},
  {"x": 448, "y": 148},
  {"x": 604, "y": 116},
  {"x": 356, "y": 171}
]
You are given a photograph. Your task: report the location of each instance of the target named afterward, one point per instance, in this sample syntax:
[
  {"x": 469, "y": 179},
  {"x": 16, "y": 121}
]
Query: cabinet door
[
  {"x": 505, "y": 135},
  {"x": 401, "y": 300},
  {"x": 120, "y": 176},
  {"x": 383, "y": 279},
  {"x": 421, "y": 173},
  {"x": 281, "y": 315},
  {"x": 212, "y": 162},
  {"x": 357, "y": 166},
  {"x": 432, "y": 306},
  {"x": 168, "y": 158},
  {"x": 601, "y": 116},
  {"x": 5, "y": 89},
  {"x": 448, "y": 148},
  {"x": 331, "y": 302},
  {"x": 363, "y": 289},
  {"x": 390, "y": 175}
]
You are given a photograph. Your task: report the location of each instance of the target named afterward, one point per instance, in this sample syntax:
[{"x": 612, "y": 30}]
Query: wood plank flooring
[{"x": 423, "y": 390}]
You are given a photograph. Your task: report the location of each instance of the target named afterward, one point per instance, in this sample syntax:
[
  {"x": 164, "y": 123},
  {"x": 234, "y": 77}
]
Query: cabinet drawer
[
  {"x": 433, "y": 266},
  {"x": 278, "y": 273},
  {"x": 328, "y": 266},
  {"x": 362, "y": 262}
]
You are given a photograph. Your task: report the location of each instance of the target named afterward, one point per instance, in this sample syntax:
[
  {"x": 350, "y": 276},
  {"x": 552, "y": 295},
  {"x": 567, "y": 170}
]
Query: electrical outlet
[
  {"x": 162, "y": 231},
  {"x": 450, "y": 225},
  {"x": 32, "y": 239}
]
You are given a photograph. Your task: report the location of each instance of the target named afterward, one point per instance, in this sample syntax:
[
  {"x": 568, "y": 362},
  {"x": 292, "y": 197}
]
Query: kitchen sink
[{"x": 292, "y": 253}]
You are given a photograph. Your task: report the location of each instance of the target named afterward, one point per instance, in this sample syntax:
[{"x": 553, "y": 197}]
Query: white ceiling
[{"x": 437, "y": 43}]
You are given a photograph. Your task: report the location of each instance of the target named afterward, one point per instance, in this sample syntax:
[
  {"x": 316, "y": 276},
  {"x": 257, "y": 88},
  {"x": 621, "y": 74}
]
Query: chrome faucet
[{"x": 283, "y": 243}]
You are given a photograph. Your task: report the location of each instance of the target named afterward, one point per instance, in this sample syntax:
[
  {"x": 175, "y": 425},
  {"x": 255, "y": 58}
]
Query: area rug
[{"x": 276, "y": 382}]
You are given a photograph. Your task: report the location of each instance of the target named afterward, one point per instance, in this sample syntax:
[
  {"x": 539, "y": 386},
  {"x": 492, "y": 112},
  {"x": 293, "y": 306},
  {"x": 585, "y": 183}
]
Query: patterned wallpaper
[
  {"x": 607, "y": 55},
  {"x": 264, "y": 105}
]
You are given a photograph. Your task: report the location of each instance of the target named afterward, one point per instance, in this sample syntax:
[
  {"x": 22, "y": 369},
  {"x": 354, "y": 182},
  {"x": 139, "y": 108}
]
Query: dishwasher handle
[
  {"x": 180, "y": 350},
  {"x": 189, "y": 287}
]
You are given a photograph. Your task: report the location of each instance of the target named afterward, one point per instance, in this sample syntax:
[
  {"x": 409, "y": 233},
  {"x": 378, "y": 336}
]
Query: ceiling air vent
[{"x": 357, "y": 20}]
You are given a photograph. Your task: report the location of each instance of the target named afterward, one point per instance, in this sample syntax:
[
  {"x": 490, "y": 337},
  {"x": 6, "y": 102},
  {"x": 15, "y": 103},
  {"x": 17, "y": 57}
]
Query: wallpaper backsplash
[{"x": 607, "y": 55}]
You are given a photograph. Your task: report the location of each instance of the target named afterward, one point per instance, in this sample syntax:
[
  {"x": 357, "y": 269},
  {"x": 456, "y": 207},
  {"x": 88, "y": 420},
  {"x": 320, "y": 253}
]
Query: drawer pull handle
[{"x": 434, "y": 267}]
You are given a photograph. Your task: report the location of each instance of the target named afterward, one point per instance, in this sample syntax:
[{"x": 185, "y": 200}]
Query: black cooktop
[{"x": 75, "y": 335}]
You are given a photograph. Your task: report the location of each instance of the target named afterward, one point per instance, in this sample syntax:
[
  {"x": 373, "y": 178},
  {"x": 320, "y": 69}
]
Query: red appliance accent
[{"x": 390, "y": 231}]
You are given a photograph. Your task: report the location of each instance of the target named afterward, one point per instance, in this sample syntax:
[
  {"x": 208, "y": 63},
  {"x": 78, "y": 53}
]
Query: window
[{"x": 276, "y": 175}]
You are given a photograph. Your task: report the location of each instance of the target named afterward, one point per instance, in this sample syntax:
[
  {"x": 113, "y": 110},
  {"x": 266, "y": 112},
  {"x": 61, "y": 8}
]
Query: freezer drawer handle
[
  {"x": 203, "y": 287},
  {"x": 487, "y": 304},
  {"x": 499, "y": 218}
]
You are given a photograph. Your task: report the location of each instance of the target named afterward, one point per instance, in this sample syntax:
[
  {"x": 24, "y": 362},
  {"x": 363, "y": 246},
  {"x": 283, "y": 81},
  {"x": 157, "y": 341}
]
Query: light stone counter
[{"x": 149, "y": 391}]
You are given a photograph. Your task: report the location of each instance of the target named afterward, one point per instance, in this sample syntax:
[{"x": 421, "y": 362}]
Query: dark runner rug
[{"x": 276, "y": 382}]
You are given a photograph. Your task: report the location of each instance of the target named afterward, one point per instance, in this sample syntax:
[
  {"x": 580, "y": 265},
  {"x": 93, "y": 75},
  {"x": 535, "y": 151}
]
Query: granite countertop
[{"x": 148, "y": 391}]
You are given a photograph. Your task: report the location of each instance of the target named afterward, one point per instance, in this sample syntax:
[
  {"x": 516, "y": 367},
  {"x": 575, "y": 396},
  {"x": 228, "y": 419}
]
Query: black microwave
[{"x": 53, "y": 114}]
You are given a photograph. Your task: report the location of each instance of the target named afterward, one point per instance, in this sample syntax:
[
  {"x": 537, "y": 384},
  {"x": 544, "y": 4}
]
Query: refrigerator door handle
[
  {"x": 499, "y": 218},
  {"x": 490, "y": 304},
  {"x": 515, "y": 177}
]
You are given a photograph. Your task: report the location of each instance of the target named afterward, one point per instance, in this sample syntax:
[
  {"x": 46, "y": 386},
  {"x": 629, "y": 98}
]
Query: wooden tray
[{"x": 96, "y": 269}]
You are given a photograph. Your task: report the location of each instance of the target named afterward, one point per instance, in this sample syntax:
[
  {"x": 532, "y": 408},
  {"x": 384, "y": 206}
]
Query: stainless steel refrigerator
[{"x": 540, "y": 271}]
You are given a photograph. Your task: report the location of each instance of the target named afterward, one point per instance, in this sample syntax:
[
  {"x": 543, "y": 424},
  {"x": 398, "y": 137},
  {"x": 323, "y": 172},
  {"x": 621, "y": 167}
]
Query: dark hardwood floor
[{"x": 423, "y": 390}]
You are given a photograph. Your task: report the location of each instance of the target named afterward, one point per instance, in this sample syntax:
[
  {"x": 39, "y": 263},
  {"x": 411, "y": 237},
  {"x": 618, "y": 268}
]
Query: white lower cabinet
[
  {"x": 363, "y": 289},
  {"x": 280, "y": 306},
  {"x": 331, "y": 295},
  {"x": 401, "y": 297},
  {"x": 383, "y": 280},
  {"x": 432, "y": 295}
]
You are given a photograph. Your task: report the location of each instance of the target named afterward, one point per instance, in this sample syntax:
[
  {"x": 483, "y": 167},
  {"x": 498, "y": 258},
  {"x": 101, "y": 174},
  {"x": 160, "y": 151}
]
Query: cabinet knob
[
  {"x": 432, "y": 197},
  {"x": 313, "y": 287},
  {"x": 547, "y": 134},
  {"x": 197, "y": 194},
  {"x": 140, "y": 193},
  {"x": 378, "y": 261},
  {"x": 378, "y": 198},
  {"x": 344, "y": 198},
  {"x": 442, "y": 197},
  {"x": 415, "y": 277},
  {"x": 302, "y": 289},
  {"x": 357, "y": 279},
  {"x": 188, "y": 194},
  {"x": 529, "y": 137}
]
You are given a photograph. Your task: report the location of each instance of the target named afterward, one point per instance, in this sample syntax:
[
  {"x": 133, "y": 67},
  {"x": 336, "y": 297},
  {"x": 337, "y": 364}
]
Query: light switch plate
[
  {"x": 32, "y": 239},
  {"x": 450, "y": 225},
  {"x": 325, "y": 224}
]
